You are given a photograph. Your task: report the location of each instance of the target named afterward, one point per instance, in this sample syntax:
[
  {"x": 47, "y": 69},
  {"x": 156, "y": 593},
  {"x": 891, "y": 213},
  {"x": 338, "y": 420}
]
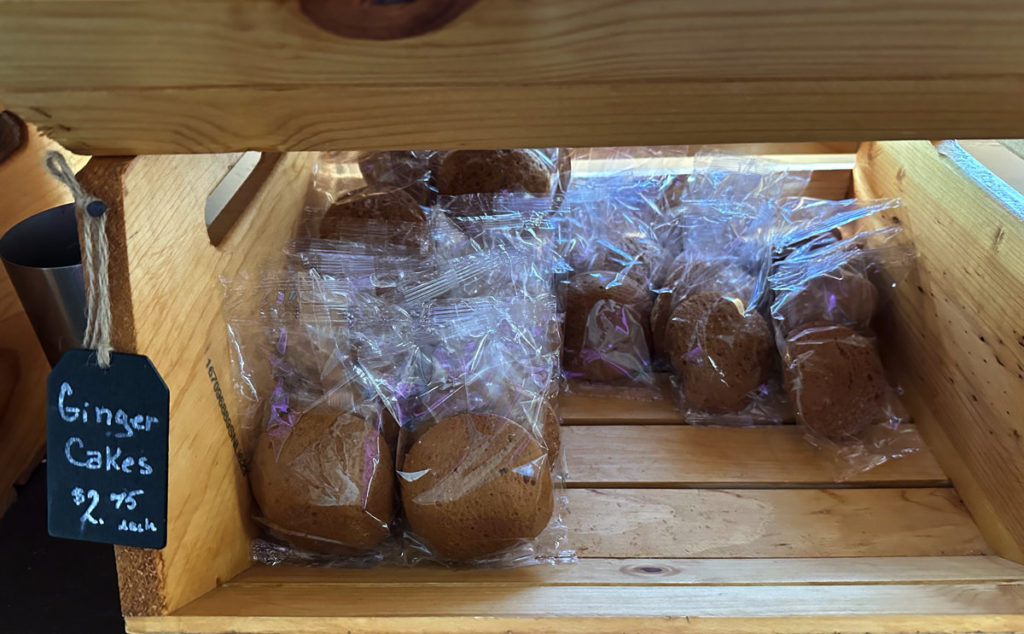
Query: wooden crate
[{"x": 677, "y": 527}]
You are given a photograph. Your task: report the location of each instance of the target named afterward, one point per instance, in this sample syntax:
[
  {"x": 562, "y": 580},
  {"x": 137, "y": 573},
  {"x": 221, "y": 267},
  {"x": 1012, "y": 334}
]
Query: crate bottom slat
[
  {"x": 662, "y": 571},
  {"x": 661, "y": 600},
  {"x": 771, "y": 523},
  {"x": 687, "y": 456},
  {"x": 967, "y": 624},
  {"x": 614, "y": 595}
]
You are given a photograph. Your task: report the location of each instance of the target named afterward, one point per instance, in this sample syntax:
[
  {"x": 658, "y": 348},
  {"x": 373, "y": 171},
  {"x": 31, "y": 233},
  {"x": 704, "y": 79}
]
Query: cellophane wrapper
[
  {"x": 464, "y": 354},
  {"x": 313, "y": 434},
  {"x": 607, "y": 236},
  {"x": 709, "y": 321},
  {"x": 826, "y": 293}
]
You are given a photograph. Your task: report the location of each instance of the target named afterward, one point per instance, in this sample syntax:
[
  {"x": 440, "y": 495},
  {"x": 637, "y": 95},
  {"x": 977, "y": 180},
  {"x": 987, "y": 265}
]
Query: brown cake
[
  {"x": 840, "y": 297},
  {"x": 585, "y": 290},
  {"x": 835, "y": 380},
  {"x": 492, "y": 172},
  {"x": 474, "y": 485},
  {"x": 349, "y": 218},
  {"x": 633, "y": 252},
  {"x": 331, "y": 488},
  {"x": 720, "y": 353},
  {"x": 407, "y": 170},
  {"x": 692, "y": 277}
]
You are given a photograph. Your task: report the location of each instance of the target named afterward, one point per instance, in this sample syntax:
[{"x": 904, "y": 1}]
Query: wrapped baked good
[
  {"x": 722, "y": 353},
  {"x": 607, "y": 327},
  {"x": 495, "y": 171},
  {"x": 468, "y": 366},
  {"x": 329, "y": 488},
  {"x": 408, "y": 170},
  {"x": 711, "y": 281},
  {"x": 825, "y": 297},
  {"x": 836, "y": 381},
  {"x": 607, "y": 238},
  {"x": 390, "y": 217},
  {"x": 314, "y": 436}
]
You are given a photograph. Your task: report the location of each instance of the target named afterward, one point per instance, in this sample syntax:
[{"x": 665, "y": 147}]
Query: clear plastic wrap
[
  {"x": 801, "y": 218},
  {"x": 606, "y": 235},
  {"x": 371, "y": 197},
  {"x": 607, "y": 329},
  {"x": 711, "y": 284},
  {"x": 470, "y": 381},
  {"x": 319, "y": 464},
  {"x": 607, "y": 223},
  {"x": 825, "y": 297}
]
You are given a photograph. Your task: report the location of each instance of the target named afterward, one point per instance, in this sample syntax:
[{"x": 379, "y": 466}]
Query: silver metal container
[{"x": 44, "y": 261}]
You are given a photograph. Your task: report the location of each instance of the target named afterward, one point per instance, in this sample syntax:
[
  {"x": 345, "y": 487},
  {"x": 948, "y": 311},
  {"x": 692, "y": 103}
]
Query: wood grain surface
[
  {"x": 955, "y": 336},
  {"x": 168, "y": 282},
  {"x": 612, "y": 601},
  {"x": 370, "y": 117},
  {"x": 770, "y": 523},
  {"x": 886, "y": 624},
  {"x": 135, "y": 76},
  {"x": 686, "y": 456},
  {"x": 765, "y": 571}
]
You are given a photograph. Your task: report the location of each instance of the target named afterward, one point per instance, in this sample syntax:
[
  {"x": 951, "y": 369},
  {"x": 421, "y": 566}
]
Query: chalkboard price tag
[{"x": 107, "y": 450}]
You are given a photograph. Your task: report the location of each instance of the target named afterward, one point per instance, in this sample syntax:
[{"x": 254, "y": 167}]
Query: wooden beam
[
  {"x": 77, "y": 44},
  {"x": 770, "y": 523},
  {"x": 686, "y": 456},
  {"x": 353, "y": 117},
  {"x": 609, "y": 601},
  {"x": 884, "y": 624},
  {"x": 955, "y": 335},
  {"x": 166, "y": 299},
  {"x": 740, "y": 572}
]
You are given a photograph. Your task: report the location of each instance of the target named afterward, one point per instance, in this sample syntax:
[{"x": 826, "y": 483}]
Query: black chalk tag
[{"x": 106, "y": 456}]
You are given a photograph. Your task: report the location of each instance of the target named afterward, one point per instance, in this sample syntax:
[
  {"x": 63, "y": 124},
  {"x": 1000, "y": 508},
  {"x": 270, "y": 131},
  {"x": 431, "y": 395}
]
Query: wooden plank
[
  {"x": 592, "y": 113},
  {"x": 673, "y": 456},
  {"x": 600, "y": 404},
  {"x": 955, "y": 338},
  {"x": 136, "y": 43},
  {"x": 971, "y": 624},
  {"x": 770, "y": 523},
  {"x": 626, "y": 572},
  {"x": 26, "y": 188},
  {"x": 609, "y": 601},
  {"x": 165, "y": 274}
]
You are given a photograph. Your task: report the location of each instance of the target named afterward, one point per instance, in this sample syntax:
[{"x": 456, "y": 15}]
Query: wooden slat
[
  {"x": 822, "y": 570},
  {"x": 202, "y": 119},
  {"x": 138, "y": 76},
  {"x": 609, "y": 601},
  {"x": 135, "y": 43},
  {"x": 165, "y": 277},
  {"x": 970, "y": 624},
  {"x": 770, "y": 523},
  {"x": 590, "y": 405},
  {"x": 956, "y": 337},
  {"x": 672, "y": 456}
]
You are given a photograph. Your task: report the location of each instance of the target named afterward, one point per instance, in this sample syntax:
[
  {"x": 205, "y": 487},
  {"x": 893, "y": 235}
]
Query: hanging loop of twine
[{"x": 94, "y": 258}]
